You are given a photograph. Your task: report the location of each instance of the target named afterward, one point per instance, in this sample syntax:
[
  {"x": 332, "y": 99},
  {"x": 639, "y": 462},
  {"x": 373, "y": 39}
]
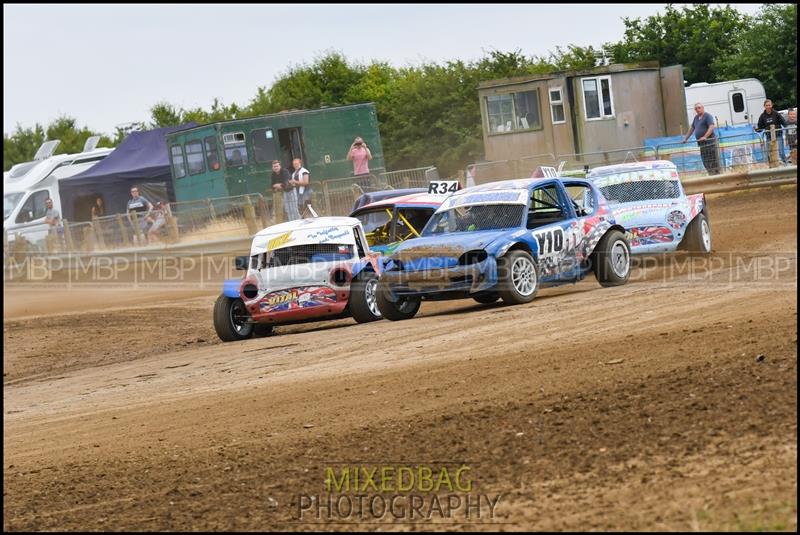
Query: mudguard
[{"x": 230, "y": 288}]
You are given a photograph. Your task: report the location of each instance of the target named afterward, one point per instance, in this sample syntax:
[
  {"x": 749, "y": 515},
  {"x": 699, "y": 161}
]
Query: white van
[
  {"x": 25, "y": 194},
  {"x": 732, "y": 103}
]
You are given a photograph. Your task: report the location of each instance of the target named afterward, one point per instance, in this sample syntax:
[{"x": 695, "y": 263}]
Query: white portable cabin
[{"x": 732, "y": 103}]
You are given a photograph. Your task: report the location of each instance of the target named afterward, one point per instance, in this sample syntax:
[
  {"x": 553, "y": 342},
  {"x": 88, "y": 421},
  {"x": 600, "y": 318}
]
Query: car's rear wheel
[
  {"x": 698, "y": 235},
  {"x": 363, "y": 297},
  {"x": 486, "y": 298},
  {"x": 518, "y": 277},
  {"x": 231, "y": 320},
  {"x": 612, "y": 259},
  {"x": 402, "y": 309}
]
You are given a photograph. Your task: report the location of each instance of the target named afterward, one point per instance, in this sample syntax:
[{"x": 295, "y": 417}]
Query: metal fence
[
  {"x": 729, "y": 153},
  {"x": 203, "y": 220}
]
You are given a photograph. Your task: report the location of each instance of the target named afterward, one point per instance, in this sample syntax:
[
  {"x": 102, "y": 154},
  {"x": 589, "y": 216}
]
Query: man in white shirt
[{"x": 301, "y": 181}]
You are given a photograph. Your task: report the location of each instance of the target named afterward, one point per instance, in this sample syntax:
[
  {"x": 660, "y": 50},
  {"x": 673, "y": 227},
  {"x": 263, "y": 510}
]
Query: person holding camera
[{"x": 360, "y": 155}]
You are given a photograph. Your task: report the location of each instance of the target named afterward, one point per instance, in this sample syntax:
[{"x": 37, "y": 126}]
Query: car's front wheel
[
  {"x": 518, "y": 277},
  {"x": 363, "y": 297},
  {"x": 231, "y": 320},
  {"x": 402, "y": 309}
]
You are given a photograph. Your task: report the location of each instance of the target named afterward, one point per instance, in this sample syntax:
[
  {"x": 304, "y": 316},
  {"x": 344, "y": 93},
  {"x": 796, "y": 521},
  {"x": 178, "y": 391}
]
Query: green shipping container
[{"x": 235, "y": 157}]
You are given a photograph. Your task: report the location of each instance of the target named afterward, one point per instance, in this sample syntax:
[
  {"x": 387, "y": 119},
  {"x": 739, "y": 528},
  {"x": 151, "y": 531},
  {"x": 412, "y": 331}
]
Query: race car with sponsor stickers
[
  {"x": 299, "y": 271},
  {"x": 647, "y": 198},
  {"x": 505, "y": 240}
]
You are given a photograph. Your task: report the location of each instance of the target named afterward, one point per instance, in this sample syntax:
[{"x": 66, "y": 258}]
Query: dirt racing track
[{"x": 668, "y": 403}]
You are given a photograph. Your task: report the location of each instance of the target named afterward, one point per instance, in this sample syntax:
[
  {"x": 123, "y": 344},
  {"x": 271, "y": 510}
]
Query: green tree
[
  {"x": 22, "y": 144},
  {"x": 698, "y": 37},
  {"x": 767, "y": 50}
]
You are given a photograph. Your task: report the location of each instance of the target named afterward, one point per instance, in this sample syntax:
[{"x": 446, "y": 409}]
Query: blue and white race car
[
  {"x": 505, "y": 240},
  {"x": 648, "y": 199}
]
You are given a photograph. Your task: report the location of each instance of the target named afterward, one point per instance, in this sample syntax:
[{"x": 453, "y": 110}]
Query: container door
[
  {"x": 236, "y": 162},
  {"x": 738, "y": 103}
]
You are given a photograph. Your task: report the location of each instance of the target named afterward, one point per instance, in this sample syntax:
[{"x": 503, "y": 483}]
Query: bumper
[
  {"x": 298, "y": 304},
  {"x": 471, "y": 278}
]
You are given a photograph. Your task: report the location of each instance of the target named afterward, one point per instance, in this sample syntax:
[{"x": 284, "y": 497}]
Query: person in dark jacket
[{"x": 765, "y": 121}]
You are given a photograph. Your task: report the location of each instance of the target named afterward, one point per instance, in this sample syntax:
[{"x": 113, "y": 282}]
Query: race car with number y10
[{"x": 505, "y": 240}]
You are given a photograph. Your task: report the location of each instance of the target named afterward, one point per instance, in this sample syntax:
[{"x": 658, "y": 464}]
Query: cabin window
[
  {"x": 212, "y": 157},
  {"x": 598, "y": 102},
  {"x": 178, "y": 165},
  {"x": 513, "y": 111},
  {"x": 235, "y": 149},
  {"x": 557, "y": 106},
  {"x": 263, "y": 145},
  {"x": 194, "y": 157},
  {"x": 738, "y": 102}
]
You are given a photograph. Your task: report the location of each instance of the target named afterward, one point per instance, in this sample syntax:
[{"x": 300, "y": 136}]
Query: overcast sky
[{"x": 107, "y": 65}]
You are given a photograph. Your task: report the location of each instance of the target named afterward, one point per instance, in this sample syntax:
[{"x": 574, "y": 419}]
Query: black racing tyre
[
  {"x": 612, "y": 259},
  {"x": 518, "y": 277},
  {"x": 363, "y": 297},
  {"x": 698, "y": 235},
  {"x": 231, "y": 320},
  {"x": 403, "y": 309},
  {"x": 262, "y": 329},
  {"x": 486, "y": 298}
]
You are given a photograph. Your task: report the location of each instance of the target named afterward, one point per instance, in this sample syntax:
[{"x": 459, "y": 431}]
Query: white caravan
[
  {"x": 732, "y": 103},
  {"x": 28, "y": 185}
]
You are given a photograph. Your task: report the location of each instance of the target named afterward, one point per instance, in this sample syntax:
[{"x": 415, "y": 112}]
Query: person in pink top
[{"x": 360, "y": 155}]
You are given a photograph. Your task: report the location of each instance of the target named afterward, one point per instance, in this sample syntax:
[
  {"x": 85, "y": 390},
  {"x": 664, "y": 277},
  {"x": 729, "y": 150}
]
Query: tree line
[{"x": 430, "y": 114}]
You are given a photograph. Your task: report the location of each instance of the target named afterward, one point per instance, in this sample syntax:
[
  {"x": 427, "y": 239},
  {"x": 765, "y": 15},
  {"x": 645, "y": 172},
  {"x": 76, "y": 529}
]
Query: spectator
[
  {"x": 703, "y": 128},
  {"x": 791, "y": 135},
  {"x": 157, "y": 220},
  {"x": 471, "y": 172},
  {"x": 768, "y": 118},
  {"x": 360, "y": 155},
  {"x": 98, "y": 208},
  {"x": 282, "y": 182},
  {"x": 53, "y": 218},
  {"x": 301, "y": 181},
  {"x": 141, "y": 207}
]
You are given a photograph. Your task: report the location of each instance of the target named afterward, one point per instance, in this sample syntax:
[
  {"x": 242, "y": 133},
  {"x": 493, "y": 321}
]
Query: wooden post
[
  {"x": 250, "y": 216},
  {"x": 68, "y": 237},
  {"x": 172, "y": 228},
  {"x": 211, "y": 210},
  {"x": 123, "y": 231},
  {"x": 52, "y": 243},
  {"x": 98, "y": 233},
  {"x": 88, "y": 239},
  {"x": 262, "y": 208},
  {"x": 277, "y": 206},
  {"x": 773, "y": 147},
  {"x": 327, "y": 195}
]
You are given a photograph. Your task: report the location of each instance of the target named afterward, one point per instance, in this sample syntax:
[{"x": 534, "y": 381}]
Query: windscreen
[
  {"x": 477, "y": 217},
  {"x": 377, "y": 225},
  {"x": 10, "y": 201}
]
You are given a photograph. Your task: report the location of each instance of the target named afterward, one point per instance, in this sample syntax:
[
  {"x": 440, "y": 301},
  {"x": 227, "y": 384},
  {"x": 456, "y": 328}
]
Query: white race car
[{"x": 299, "y": 271}]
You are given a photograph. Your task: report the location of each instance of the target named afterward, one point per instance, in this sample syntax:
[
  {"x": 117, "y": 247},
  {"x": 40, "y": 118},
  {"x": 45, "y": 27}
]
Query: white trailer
[{"x": 732, "y": 103}]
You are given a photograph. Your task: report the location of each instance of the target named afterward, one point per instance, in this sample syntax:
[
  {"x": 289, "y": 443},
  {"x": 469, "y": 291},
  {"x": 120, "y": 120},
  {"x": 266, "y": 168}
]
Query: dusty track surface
[{"x": 669, "y": 403}]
